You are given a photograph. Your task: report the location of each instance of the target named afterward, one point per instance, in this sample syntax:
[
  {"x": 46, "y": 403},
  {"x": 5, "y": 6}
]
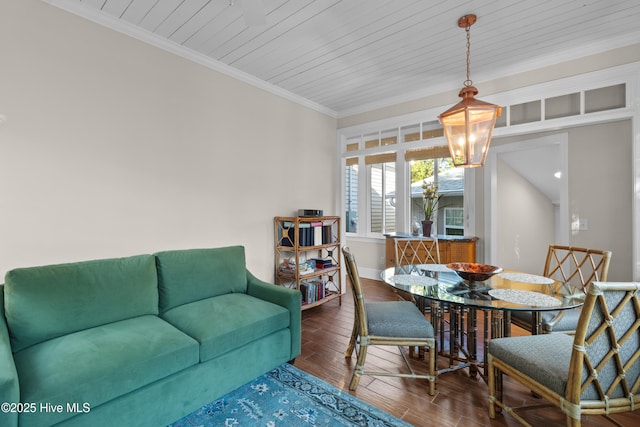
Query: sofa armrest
[
  {"x": 290, "y": 299},
  {"x": 9, "y": 386}
]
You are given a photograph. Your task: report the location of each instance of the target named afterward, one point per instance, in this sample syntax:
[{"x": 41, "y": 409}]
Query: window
[
  {"x": 351, "y": 195},
  {"x": 434, "y": 164},
  {"x": 381, "y": 174},
  {"x": 454, "y": 221},
  {"x": 372, "y": 203}
]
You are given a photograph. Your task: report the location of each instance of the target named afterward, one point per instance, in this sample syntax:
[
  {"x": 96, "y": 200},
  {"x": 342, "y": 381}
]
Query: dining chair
[
  {"x": 596, "y": 371},
  {"x": 567, "y": 264},
  {"x": 411, "y": 252},
  {"x": 386, "y": 323}
]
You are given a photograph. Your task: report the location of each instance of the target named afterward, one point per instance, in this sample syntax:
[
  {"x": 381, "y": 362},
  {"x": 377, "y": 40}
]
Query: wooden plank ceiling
[{"x": 354, "y": 55}]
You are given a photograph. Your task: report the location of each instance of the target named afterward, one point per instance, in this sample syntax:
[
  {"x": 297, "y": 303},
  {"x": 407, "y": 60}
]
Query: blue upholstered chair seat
[
  {"x": 397, "y": 319},
  {"x": 567, "y": 322},
  {"x": 549, "y": 367}
]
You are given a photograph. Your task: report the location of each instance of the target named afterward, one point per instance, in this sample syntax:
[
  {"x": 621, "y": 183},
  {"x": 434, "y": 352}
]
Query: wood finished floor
[{"x": 459, "y": 400}]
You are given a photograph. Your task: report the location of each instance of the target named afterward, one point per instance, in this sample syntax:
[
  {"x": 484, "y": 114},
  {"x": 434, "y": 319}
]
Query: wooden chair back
[
  {"x": 605, "y": 365},
  {"x": 577, "y": 266}
]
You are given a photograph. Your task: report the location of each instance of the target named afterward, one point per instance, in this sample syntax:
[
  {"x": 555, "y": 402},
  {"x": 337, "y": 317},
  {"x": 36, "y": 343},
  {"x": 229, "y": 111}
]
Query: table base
[{"x": 456, "y": 328}]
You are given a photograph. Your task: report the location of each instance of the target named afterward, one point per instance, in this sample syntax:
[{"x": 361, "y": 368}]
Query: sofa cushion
[
  {"x": 226, "y": 322},
  {"x": 99, "y": 364},
  {"x": 190, "y": 275},
  {"x": 46, "y": 302}
]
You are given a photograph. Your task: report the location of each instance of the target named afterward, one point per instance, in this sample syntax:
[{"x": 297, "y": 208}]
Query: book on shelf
[
  {"x": 312, "y": 291},
  {"x": 325, "y": 266},
  {"x": 320, "y": 263},
  {"x": 305, "y": 234},
  {"x": 287, "y": 227},
  {"x": 317, "y": 233},
  {"x": 327, "y": 234}
]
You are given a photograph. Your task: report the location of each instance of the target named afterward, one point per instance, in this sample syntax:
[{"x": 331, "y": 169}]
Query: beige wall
[
  {"x": 525, "y": 222},
  {"x": 600, "y": 189},
  {"x": 112, "y": 147}
]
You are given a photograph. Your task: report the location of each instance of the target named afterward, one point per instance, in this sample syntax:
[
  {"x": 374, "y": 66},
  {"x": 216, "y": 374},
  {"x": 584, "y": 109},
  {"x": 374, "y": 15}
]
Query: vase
[
  {"x": 426, "y": 227},
  {"x": 415, "y": 228}
]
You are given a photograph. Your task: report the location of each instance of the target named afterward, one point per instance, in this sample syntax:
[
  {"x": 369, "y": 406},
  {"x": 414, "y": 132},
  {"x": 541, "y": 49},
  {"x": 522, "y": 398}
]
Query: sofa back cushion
[
  {"x": 46, "y": 302},
  {"x": 190, "y": 275}
]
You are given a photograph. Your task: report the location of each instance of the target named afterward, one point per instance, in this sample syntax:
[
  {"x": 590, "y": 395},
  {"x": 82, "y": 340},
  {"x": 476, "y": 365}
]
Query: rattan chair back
[
  {"x": 577, "y": 266},
  {"x": 417, "y": 251},
  {"x": 604, "y": 375},
  {"x": 409, "y": 253},
  {"x": 572, "y": 265}
]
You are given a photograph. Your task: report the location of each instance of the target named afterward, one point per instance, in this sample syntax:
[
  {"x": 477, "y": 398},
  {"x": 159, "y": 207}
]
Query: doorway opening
[{"x": 527, "y": 206}]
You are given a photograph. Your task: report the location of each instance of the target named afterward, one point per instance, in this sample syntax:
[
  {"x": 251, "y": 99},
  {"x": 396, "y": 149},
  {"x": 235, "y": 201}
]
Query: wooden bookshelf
[{"x": 307, "y": 257}]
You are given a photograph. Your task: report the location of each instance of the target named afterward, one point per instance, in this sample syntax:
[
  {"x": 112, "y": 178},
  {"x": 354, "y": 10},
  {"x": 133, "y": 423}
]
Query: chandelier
[{"x": 468, "y": 125}]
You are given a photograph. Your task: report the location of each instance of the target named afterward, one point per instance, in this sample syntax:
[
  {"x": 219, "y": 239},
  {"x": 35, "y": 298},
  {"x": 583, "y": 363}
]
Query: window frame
[
  {"x": 390, "y": 141},
  {"x": 446, "y": 226},
  {"x": 385, "y": 190}
]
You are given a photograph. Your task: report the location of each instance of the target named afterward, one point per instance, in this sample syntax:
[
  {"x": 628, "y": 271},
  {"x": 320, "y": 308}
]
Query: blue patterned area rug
[{"x": 288, "y": 397}]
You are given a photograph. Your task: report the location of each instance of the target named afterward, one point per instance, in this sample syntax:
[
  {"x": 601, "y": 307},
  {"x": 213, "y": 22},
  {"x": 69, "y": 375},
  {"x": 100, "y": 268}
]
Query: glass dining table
[{"x": 456, "y": 307}]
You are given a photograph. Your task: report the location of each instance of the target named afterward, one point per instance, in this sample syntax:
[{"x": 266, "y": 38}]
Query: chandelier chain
[{"x": 468, "y": 82}]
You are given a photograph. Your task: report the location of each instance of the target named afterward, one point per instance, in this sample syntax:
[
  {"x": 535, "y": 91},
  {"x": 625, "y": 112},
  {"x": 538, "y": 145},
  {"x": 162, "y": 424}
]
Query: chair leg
[
  {"x": 491, "y": 384},
  {"x": 352, "y": 342},
  {"x": 432, "y": 370},
  {"x": 357, "y": 372},
  {"x": 572, "y": 422},
  {"x": 412, "y": 352}
]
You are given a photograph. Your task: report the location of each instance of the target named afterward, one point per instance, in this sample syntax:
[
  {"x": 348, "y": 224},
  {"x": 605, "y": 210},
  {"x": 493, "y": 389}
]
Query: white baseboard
[{"x": 369, "y": 273}]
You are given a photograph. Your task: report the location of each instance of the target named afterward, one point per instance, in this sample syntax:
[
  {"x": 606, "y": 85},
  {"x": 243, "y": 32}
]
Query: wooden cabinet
[
  {"x": 307, "y": 257},
  {"x": 452, "y": 249}
]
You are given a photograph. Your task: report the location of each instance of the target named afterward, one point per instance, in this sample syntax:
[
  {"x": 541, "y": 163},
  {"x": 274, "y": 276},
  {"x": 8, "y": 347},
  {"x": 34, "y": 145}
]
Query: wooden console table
[{"x": 452, "y": 248}]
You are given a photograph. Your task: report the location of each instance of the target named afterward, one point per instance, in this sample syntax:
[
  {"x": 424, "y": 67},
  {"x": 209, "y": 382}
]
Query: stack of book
[
  {"x": 312, "y": 291},
  {"x": 305, "y": 234},
  {"x": 321, "y": 263},
  {"x": 290, "y": 267},
  {"x": 309, "y": 233}
]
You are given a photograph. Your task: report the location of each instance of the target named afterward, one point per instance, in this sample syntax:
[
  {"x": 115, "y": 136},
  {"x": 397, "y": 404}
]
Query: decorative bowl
[{"x": 474, "y": 272}]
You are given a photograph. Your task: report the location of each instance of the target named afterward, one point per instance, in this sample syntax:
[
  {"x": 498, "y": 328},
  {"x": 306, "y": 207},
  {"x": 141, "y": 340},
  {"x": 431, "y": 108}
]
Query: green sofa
[{"x": 137, "y": 341}]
